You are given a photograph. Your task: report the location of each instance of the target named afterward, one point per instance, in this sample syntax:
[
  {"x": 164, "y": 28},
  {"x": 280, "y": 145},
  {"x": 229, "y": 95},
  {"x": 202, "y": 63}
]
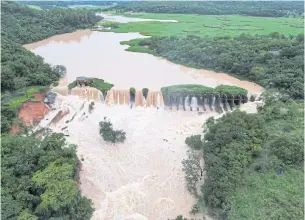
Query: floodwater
[
  {"x": 122, "y": 19},
  {"x": 99, "y": 54},
  {"x": 142, "y": 178}
]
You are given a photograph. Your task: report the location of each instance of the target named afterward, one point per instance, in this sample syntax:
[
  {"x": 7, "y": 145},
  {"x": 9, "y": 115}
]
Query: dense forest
[
  {"x": 51, "y": 4},
  {"x": 39, "y": 177},
  {"x": 272, "y": 61},
  {"x": 20, "y": 67},
  {"x": 39, "y": 180},
  {"x": 25, "y": 25},
  {"x": 248, "y": 8},
  {"x": 254, "y": 163}
]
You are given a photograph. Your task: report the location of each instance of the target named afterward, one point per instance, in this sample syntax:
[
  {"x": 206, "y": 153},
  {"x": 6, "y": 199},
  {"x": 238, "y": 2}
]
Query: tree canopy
[
  {"x": 39, "y": 179},
  {"x": 248, "y": 8},
  {"x": 247, "y": 156},
  {"x": 272, "y": 61},
  {"x": 20, "y": 67}
]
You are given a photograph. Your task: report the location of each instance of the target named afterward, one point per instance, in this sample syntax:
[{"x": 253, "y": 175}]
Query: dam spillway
[{"x": 180, "y": 102}]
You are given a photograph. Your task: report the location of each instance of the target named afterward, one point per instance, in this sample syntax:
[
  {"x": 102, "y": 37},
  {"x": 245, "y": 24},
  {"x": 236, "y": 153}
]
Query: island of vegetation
[{"x": 97, "y": 83}]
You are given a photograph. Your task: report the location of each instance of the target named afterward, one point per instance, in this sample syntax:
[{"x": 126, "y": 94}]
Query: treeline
[
  {"x": 254, "y": 161},
  {"x": 272, "y": 61},
  {"x": 248, "y": 8},
  {"x": 39, "y": 180},
  {"x": 52, "y": 4},
  {"x": 25, "y": 25},
  {"x": 20, "y": 67}
]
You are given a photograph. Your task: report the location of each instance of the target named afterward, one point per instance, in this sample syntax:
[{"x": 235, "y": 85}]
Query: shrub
[
  {"x": 109, "y": 134},
  {"x": 132, "y": 91},
  {"x": 195, "y": 209},
  {"x": 194, "y": 142},
  {"x": 252, "y": 98},
  {"x": 91, "y": 107},
  {"x": 145, "y": 92}
]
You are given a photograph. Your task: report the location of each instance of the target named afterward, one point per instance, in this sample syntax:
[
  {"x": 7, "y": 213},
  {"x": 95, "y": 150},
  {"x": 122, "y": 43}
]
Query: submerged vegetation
[
  {"x": 145, "y": 92},
  {"x": 109, "y": 134}
]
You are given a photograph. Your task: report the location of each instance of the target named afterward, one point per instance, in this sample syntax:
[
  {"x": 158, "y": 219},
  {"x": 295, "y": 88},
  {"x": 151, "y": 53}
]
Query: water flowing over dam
[
  {"x": 181, "y": 102},
  {"x": 88, "y": 93},
  {"x": 117, "y": 97},
  {"x": 212, "y": 102}
]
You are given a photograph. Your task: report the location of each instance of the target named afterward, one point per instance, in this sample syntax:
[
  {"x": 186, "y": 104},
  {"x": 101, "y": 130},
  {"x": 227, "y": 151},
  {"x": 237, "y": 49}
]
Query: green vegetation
[
  {"x": 16, "y": 99},
  {"x": 132, "y": 91},
  {"x": 92, "y": 5},
  {"x": 210, "y": 25},
  {"x": 39, "y": 179},
  {"x": 254, "y": 163},
  {"x": 110, "y": 24},
  {"x": 17, "y": 22},
  {"x": 262, "y": 9},
  {"x": 273, "y": 61},
  {"x": 109, "y": 134},
  {"x": 200, "y": 90},
  {"x": 277, "y": 196},
  {"x": 194, "y": 142},
  {"x": 135, "y": 46},
  {"x": 99, "y": 84},
  {"x": 35, "y": 7},
  {"x": 20, "y": 68},
  {"x": 145, "y": 92}
]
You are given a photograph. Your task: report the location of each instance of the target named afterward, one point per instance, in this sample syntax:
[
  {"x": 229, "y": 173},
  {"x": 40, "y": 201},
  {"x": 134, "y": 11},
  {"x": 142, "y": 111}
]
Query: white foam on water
[{"x": 141, "y": 178}]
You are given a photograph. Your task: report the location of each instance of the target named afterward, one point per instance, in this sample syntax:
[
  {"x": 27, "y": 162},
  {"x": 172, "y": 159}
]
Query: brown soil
[{"x": 31, "y": 113}]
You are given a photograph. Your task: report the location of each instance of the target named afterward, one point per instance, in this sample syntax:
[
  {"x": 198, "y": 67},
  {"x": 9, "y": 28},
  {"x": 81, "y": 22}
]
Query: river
[
  {"x": 142, "y": 178},
  {"x": 99, "y": 54}
]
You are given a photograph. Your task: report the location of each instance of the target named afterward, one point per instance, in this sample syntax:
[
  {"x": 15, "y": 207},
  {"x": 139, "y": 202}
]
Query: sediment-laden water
[
  {"x": 99, "y": 54},
  {"x": 141, "y": 178}
]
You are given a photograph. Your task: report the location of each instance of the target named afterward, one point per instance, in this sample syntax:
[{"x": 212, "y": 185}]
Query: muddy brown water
[
  {"x": 99, "y": 54},
  {"x": 141, "y": 178}
]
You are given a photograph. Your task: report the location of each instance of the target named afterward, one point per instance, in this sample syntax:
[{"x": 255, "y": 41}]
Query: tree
[
  {"x": 60, "y": 70},
  {"x": 109, "y": 134},
  {"x": 194, "y": 142},
  {"x": 145, "y": 92},
  {"x": 192, "y": 169}
]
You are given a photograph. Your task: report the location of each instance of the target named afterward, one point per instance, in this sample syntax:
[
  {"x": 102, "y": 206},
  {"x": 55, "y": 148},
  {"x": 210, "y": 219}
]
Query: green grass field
[
  {"x": 16, "y": 101},
  {"x": 206, "y": 25},
  {"x": 35, "y": 7},
  {"x": 276, "y": 197}
]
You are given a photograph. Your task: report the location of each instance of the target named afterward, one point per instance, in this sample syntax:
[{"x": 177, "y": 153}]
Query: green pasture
[
  {"x": 210, "y": 25},
  {"x": 14, "y": 101},
  {"x": 35, "y": 7}
]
